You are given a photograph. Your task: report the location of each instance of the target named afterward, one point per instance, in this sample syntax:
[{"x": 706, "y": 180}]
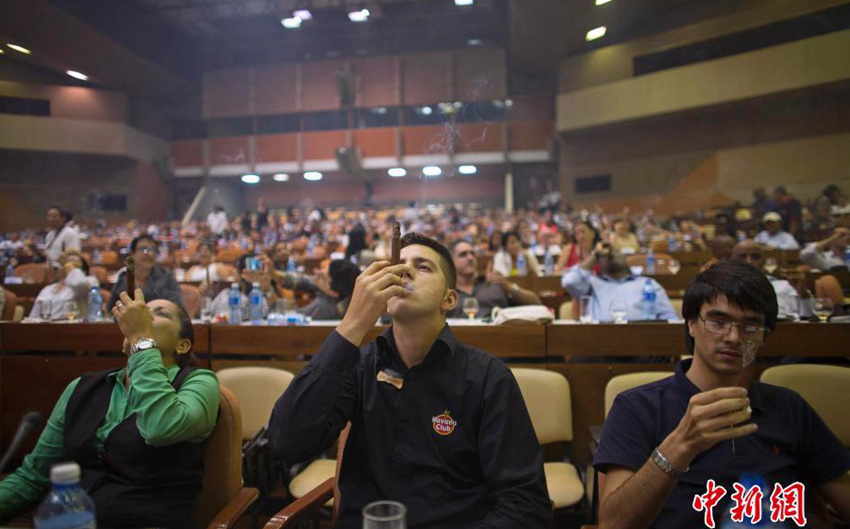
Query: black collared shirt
[{"x": 455, "y": 444}]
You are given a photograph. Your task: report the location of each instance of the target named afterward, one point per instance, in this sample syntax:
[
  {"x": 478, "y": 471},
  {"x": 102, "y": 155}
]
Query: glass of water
[
  {"x": 385, "y": 515},
  {"x": 619, "y": 309},
  {"x": 586, "y": 309},
  {"x": 206, "y": 308},
  {"x": 45, "y": 309},
  {"x": 72, "y": 310}
]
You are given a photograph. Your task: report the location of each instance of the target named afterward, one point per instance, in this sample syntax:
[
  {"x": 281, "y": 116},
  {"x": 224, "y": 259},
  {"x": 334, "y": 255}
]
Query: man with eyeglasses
[
  {"x": 492, "y": 291},
  {"x": 663, "y": 442}
]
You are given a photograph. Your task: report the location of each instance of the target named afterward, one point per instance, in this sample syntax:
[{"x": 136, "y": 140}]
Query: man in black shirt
[{"x": 435, "y": 424}]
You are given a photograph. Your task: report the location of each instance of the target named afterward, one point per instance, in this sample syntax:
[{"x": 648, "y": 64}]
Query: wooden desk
[
  {"x": 666, "y": 339},
  {"x": 293, "y": 343}
]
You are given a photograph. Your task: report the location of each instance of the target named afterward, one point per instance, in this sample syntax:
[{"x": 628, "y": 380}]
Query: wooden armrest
[
  {"x": 588, "y": 527},
  {"x": 304, "y": 506},
  {"x": 235, "y": 508}
]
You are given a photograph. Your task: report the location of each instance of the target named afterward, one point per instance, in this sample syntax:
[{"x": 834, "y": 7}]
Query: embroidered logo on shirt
[{"x": 443, "y": 423}]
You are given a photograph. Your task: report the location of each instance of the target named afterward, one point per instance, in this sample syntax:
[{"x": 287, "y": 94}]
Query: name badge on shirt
[{"x": 398, "y": 382}]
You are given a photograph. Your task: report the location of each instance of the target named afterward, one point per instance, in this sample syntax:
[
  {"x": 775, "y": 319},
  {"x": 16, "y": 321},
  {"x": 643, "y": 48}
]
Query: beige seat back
[
  {"x": 547, "y": 397},
  {"x": 621, "y": 383},
  {"x": 825, "y": 388},
  {"x": 257, "y": 389}
]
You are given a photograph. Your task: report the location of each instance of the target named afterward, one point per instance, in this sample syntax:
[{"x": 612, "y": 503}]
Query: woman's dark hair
[
  {"x": 497, "y": 235},
  {"x": 356, "y": 241},
  {"x": 591, "y": 227},
  {"x": 507, "y": 235},
  {"x": 742, "y": 284},
  {"x": 447, "y": 264},
  {"x": 143, "y": 237},
  {"x": 187, "y": 332},
  {"x": 343, "y": 274},
  {"x": 207, "y": 244}
]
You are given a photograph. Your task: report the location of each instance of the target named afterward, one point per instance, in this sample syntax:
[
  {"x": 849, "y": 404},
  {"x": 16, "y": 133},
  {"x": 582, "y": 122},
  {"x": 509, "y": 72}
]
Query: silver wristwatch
[
  {"x": 666, "y": 466},
  {"x": 143, "y": 345}
]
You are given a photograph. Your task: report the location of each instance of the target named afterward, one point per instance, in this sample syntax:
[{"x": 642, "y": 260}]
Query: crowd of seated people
[{"x": 529, "y": 241}]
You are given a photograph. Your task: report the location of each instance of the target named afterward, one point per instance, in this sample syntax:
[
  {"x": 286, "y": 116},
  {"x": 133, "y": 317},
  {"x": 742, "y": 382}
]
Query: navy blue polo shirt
[{"x": 792, "y": 444}]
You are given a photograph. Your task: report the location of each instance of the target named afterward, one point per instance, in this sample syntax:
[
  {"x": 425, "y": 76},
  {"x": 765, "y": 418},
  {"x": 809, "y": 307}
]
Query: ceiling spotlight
[
  {"x": 464, "y": 2},
  {"x": 380, "y": 110},
  {"x": 305, "y": 14},
  {"x": 251, "y": 178},
  {"x": 78, "y": 75},
  {"x": 20, "y": 49},
  {"x": 281, "y": 177},
  {"x": 313, "y": 176},
  {"x": 475, "y": 42},
  {"x": 358, "y": 16},
  {"x": 467, "y": 169},
  {"x": 432, "y": 170},
  {"x": 397, "y": 172},
  {"x": 425, "y": 111},
  {"x": 595, "y": 33},
  {"x": 600, "y": 2},
  {"x": 291, "y": 23}
]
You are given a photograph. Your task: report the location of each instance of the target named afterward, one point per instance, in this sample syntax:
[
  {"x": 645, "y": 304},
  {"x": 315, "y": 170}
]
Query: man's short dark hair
[
  {"x": 743, "y": 286},
  {"x": 455, "y": 244},
  {"x": 447, "y": 264},
  {"x": 507, "y": 235},
  {"x": 343, "y": 274},
  {"x": 143, "y": 237}
]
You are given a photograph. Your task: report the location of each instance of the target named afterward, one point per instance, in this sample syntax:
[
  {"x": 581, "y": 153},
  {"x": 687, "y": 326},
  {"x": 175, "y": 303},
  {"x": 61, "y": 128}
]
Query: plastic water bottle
[
  {"x": 95, "y": 305},
  {"x": 650, "y": 262},
  {"x": 234, "y": 305},
  {"x": 671, "y": 243},
  {"x": 648, "y": 300},
  {"x": 846, "y": 257},
  {"x": 67, "y": 506},
  {"x": 256, "y": 298},
  {"x": 10, "y": 269},
  {"x": 96, "y": 257},
  {"x": 291, "y": 267},
  {"x": 521, "y": 268},
  {"x": 549, "y": 264}
]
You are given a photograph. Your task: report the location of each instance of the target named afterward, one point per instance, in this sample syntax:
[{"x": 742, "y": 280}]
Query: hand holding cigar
[
  {"x": 131, "y": 275},
  {"x": 395, "y": 247}
]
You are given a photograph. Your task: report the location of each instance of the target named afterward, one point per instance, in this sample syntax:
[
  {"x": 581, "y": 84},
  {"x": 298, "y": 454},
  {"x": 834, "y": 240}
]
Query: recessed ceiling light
[
  {"x": 432, "y": 170},
  {"x": 464, "y": 2},
  {"x": 595, "y": 33},
  {"x": 251, "y": 178},
  {"x": 425, "y": 111},
  {"x": 281, "y": 177},
  {"x": 397, "y": 172},
  {"x": 467, "y": 169},
  {"x": 380, "y": 110},
  {"x": 475, "y": 42},
  {"x": 2, "y": 51},
  {"x": 291, "y": 22},
  {"x": 20, "y": 49},
  {"x": 78, "y": 75},
  {"x": 305, "y": 14},
  {"x": 600, "y": 2},
  {"x": 358, "y": 16},
  {"x": 313, "y": 176}
]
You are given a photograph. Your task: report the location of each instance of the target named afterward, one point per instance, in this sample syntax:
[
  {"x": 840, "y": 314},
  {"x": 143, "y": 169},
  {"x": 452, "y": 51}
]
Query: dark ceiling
[{"x": 183, "y": 38}]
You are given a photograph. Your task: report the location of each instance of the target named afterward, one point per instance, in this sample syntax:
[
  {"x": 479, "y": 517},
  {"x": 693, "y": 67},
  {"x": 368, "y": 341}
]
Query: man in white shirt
[
  {"x": 74, "y": 285},
  {"x": 788, "y": 295},
  {"x": 828, "y": 253},
  {"x": 773, "y": 236},
  {"x": 217, "y": 219},
  {"x": 61, "y": 236}
]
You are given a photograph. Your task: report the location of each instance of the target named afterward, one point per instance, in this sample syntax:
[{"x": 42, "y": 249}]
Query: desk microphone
[{"x": 32, "y": 422}]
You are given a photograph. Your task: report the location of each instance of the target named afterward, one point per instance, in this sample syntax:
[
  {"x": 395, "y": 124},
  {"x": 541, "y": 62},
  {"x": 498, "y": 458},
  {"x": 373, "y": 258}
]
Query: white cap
[
  {"x": 256, "y": 284},
  {"x": 65, "y": 473}
]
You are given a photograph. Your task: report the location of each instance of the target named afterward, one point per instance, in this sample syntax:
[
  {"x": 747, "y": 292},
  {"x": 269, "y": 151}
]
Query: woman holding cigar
[{"x": 155, "y": 282}]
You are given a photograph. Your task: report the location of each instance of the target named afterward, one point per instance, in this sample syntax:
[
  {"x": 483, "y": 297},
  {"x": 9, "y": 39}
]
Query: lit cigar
[
  {"x": 395, "y": 247},
  {"x": 131, "y": 276}
]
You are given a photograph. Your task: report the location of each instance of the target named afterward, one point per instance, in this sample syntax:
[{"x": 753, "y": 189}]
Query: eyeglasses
[
  {"x": 146, "y": 250},
  {"x": 722, "y": 327}
]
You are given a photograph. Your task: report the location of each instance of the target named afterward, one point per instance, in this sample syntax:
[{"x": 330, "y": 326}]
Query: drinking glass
[
  {"x": 585, "y": 309},
  {"x": 45, "y": 309},
  {"x": 674, "y": 266},
  {"x": 72, "y": 310},
  {"x": 619, "y": 309},
  {"x": 822, "y": 307},
  {"x": 470, "y": 307},
  {"x": 770, "y": 265},
  {"x": 385, "y": 515},
  {"x": 206, "y": 308}
]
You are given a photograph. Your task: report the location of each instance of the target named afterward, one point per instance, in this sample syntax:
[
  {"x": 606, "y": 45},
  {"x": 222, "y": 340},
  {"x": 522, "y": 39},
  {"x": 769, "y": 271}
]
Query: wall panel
[
  {"x": 376, "y": 142},
  {"x": 319, "y": 85},
  {"x": 376, "y": 81},
  {"x": 322, "y": 145},
  {"x": 275, "y": 88},
  {"x": 187, "y": 153},
  {"x": 226, "y": 93},
  {"x": 276, "y": 148},
  {"x": 480, "y": 75},
  {"x": 427, "y": 78}
]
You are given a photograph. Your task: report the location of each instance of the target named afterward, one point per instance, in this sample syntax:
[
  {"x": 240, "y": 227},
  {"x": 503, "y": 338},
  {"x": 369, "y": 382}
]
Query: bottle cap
[
  {"x": 65, "y": 473},
  {"x": 256, "y": 284},
  {"x": 234, "y": 285}
]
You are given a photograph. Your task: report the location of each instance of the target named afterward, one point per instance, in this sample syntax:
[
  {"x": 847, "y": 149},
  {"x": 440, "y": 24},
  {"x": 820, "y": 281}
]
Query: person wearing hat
[{"x": 773, "y": 236}]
